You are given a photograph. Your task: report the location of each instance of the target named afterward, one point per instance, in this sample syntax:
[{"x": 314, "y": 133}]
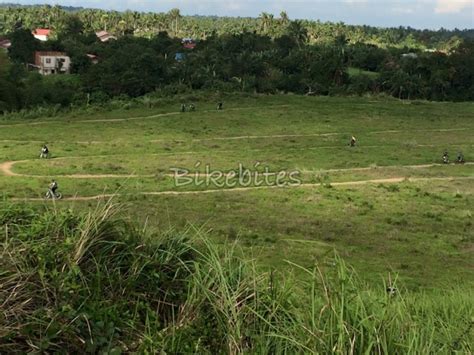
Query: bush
[
  {"x": 84, "y": 282},
  {"x": 98, "y": 97},
  {"x": 361, "y": 84},
  {"x": 172, "y": 89},
  {"x": 93, "y": 283}
]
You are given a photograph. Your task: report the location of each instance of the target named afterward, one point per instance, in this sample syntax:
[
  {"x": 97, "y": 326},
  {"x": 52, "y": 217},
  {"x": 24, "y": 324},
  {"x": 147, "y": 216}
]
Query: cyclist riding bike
[
  {"x": 44, "y": 152},
  {"x": 352, "y": 142},
  {"x": 53, "y": 187},
  {"x": 445, "y": 158}
]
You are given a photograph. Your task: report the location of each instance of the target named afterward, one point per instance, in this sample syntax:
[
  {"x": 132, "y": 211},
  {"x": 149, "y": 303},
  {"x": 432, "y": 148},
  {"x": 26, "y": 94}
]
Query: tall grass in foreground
[{"x": 95, "y": 283}]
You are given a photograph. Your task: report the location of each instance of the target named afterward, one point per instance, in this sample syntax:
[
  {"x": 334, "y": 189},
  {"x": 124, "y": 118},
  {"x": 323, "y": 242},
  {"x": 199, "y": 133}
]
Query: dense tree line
[
  {"x": 200, "y": 27},
  {"x": 247, "y": 61}
]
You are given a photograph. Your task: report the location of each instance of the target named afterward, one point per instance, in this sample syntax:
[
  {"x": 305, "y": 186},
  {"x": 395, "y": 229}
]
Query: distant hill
[{"x": 65, "y": 8}]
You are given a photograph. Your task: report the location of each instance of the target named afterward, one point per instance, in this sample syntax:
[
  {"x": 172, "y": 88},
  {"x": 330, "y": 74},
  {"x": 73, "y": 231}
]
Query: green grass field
[{"x": 386, "y": 205}]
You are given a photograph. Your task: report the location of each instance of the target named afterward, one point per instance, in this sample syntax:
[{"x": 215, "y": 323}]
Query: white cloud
[{"x": 452, "y": 6}]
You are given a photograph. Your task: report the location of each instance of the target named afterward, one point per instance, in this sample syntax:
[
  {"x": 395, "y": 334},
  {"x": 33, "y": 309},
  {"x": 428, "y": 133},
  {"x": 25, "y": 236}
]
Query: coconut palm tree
[
  {"x": 266, "y": 21},
  {"x": 284, "y": 19},
  {"x": 103, "y": 20},
  {"x": 175, "y": 15}
]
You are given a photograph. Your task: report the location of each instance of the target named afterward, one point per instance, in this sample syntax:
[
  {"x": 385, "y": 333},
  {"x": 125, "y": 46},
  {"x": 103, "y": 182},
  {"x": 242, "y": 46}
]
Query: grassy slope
[
  {"x": 94, "y": 283},
  {"x": 418, "y": 229}
]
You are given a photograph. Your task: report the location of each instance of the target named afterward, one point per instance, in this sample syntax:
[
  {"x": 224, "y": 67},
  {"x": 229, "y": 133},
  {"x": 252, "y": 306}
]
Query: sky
[{"x": 431, "y": 14}]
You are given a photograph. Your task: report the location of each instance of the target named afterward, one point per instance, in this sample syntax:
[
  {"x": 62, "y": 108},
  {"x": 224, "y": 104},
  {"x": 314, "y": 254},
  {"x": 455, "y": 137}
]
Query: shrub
[
  {"x": 361, "y": 84},
  {"x": 74, "y": 282},
  {"x": 93, "y": 283}
]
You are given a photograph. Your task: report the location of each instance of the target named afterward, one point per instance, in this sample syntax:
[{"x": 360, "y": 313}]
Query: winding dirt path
[
  {"x": 6, "y": 170},
  {"x": 6, "y": 167},
  {"x": 245, "y": 189},
  {"x": 112, "y": 120}
]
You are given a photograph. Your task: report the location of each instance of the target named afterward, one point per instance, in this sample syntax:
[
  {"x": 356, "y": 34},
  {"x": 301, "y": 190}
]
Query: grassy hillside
[
  {"x": 94, "y": 283},
  {"x": 386, "y": 205}
]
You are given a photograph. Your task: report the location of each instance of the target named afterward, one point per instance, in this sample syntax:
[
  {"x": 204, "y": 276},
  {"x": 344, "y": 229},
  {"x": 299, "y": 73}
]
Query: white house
[
  {"x": 52, "y": 63},
  {"x": 41, "y": 34}
]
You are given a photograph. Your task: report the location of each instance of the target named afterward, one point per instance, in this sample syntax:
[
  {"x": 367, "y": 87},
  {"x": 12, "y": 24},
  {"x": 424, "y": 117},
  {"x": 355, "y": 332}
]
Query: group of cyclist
[
  {"x": 192, "y": 107},
  {"x": 53, "y": 186},
  {"x": 459, "y": 158}
]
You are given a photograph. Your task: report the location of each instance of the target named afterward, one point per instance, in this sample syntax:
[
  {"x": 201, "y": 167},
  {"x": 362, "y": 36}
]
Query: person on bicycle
[
  {"x": 445, "y": 157},
  {"x": 53, "y": 187},
  {"x": 192, "y": 107},
  {"x": 460, "y": 158},
  {"x": 352, "y": 142},
  {"x": 44, "y": 151}
]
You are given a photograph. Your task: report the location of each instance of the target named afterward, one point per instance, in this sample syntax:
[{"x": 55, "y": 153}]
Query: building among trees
[
  {"x": 52, "y": 63},
  {"x": 42, "y": 34},
  {"x": 104, "y": 36},
  {"x": 188, "y": 43}
]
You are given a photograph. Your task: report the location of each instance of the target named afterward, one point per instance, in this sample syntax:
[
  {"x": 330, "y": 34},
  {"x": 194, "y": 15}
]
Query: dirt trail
[
  {"x": 266, "y": 136},
  {"x": 422, "y": 130},
  {"x": 328, "y": 134},
  {"x": 112, "y": 120},
  {"x": 6, "y": 169},
  {"x": 420, "y": 166},
  {"x": 245, "y": 189}
]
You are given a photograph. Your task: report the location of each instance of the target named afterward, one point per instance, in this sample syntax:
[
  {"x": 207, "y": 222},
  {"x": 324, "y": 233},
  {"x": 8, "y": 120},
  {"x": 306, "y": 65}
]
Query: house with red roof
[
  {"x": 42, "y": 34},
  {"x": 188, "y": 43}
]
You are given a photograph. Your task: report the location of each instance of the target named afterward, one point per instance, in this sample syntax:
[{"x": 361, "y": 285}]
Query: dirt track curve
[
  {"x": 6, "y": 170},
  {"x": 6, "y": 167},
  {"x": 112, "y": 120},
  {"x": 244, "y": 189}
]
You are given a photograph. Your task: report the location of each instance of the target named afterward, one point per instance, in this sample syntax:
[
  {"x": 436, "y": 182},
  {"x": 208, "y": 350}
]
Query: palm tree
[
  {"x": 103, "y": 19},
  {"x": 122, "y": 27},
  {"x": 266, "y": 20},
  {"x": 175, "y": 15},
  {"x": 298, "y": 32},
  {"x": 284, "y": 19}
]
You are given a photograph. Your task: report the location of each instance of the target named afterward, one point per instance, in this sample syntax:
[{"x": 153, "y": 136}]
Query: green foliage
[
  {"x": 71, "y": 281},
  {"x": 264, "y": 55},
  {"x": 94, "y": 284},
  {"x": 23, "y": 46},
  {"x": 65, "y": 21}
]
